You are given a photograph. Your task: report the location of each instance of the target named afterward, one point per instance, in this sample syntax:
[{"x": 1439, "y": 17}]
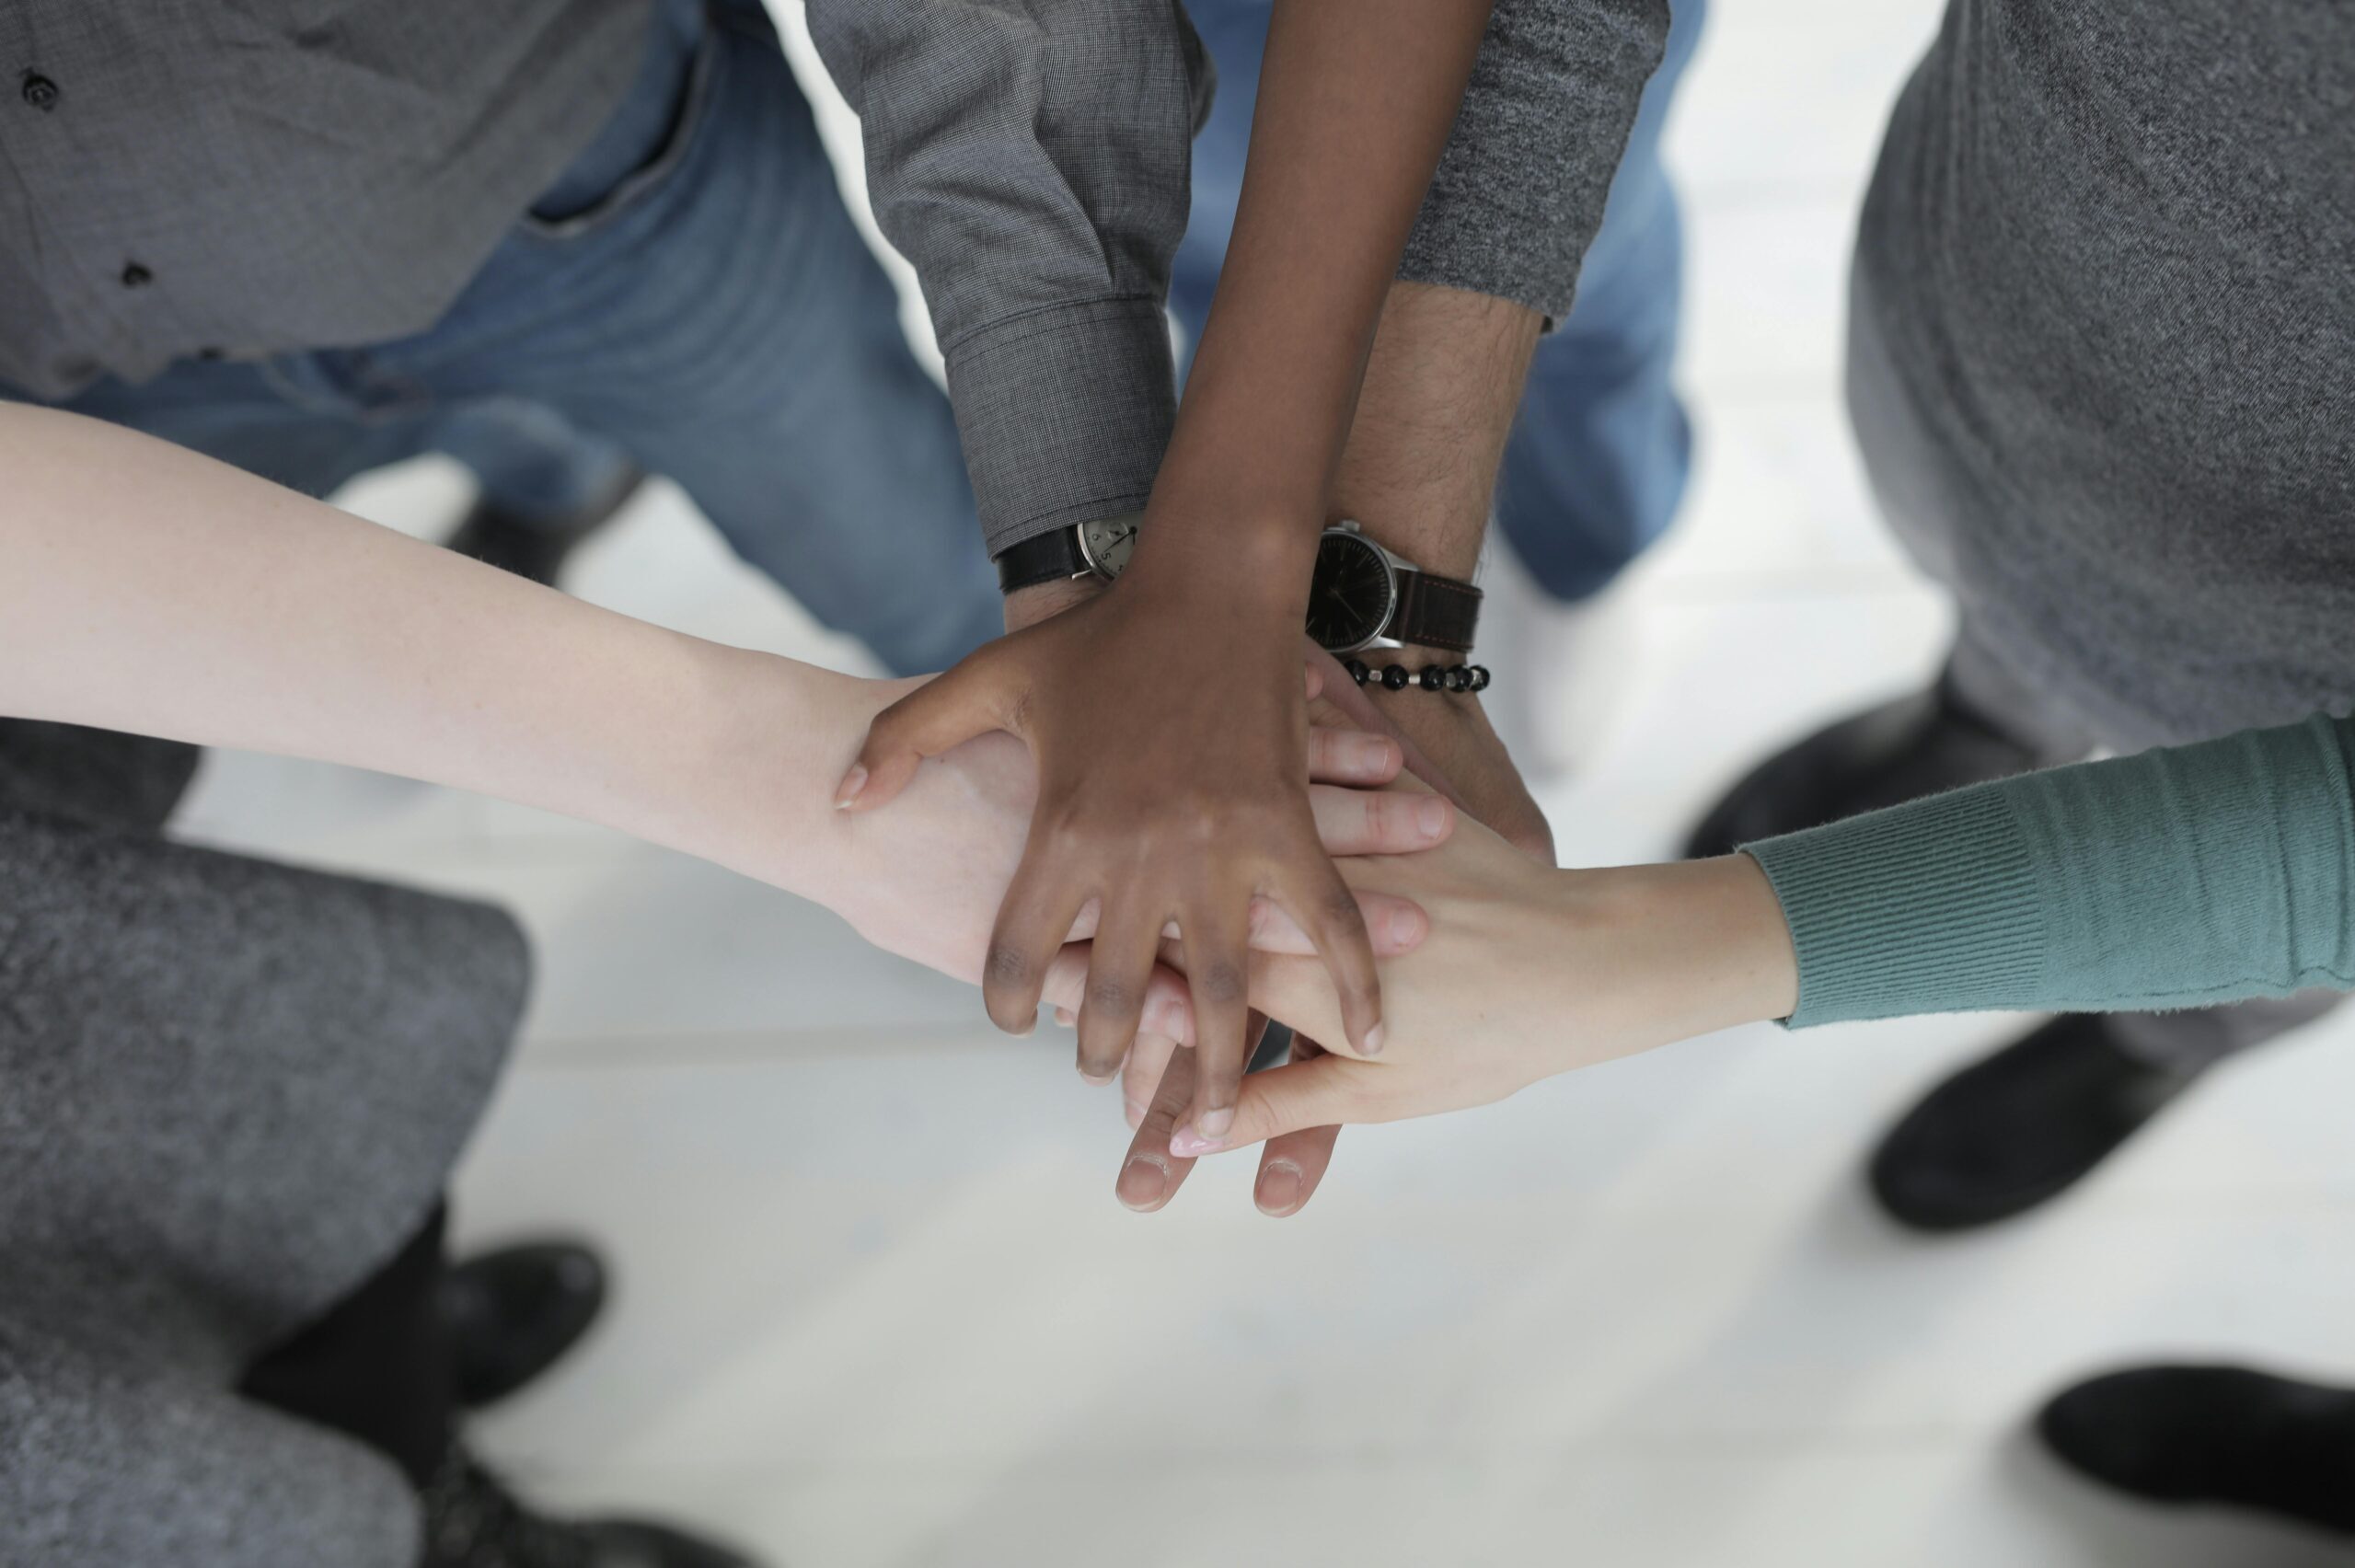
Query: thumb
[
  {"x": 936, "y": 717},
  {"x": 1324, "y": 1091}
]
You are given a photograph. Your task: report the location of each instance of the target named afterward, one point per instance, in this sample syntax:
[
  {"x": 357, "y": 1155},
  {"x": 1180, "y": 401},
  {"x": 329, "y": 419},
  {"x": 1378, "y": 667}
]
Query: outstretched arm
[
  {"x": 2184, "y": 876},
  {"x": 147, "y": 589}
]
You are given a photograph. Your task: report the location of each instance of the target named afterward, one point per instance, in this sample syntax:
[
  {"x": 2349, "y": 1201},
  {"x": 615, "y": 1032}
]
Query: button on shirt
[
  {"x": 274, "y": 174},
  {"x": 282, "y": 174}
]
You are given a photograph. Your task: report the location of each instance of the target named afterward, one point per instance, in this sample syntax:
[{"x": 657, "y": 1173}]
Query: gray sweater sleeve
[
  {"x": 1033, "y": 159},
  {"x": 1521, "y": 187}
]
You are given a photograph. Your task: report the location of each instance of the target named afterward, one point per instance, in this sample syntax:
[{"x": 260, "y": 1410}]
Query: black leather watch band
[
  {"x": 1052, "y": 555},
  {"x": 1435, "y": 612}
]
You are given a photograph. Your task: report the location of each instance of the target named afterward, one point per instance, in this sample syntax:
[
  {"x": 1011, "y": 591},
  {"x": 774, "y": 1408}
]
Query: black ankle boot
[
  {"x": 471, "y": 1520},
  {"x": 1916, "y": 745},
  {"x": 512, "y": 1313},
  {"x": 2219, "y": 1434},
  {"x": 2017, "y": 1128}
]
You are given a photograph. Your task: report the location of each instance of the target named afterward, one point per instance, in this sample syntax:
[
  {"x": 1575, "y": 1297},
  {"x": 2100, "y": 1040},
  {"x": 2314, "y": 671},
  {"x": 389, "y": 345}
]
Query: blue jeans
[
  {"x": 694, "y": 295},
  {"x": 1599, "y": 458}
]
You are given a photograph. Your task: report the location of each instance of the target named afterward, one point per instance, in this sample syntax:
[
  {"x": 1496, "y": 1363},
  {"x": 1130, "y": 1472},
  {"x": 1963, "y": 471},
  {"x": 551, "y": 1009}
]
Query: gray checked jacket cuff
[
  {"x": 1035, "y": 160},
  {"x": 1064, "y": 412}
]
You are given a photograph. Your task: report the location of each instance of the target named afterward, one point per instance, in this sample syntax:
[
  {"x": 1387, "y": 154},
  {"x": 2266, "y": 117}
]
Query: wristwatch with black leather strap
[
  {"x": 1096, "y": 549},
  {"x": 1360, "y": 596}
]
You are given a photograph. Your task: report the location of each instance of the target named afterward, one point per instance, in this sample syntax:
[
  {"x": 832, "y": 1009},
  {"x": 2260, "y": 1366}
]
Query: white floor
[{"x": 876, "y": 1305}]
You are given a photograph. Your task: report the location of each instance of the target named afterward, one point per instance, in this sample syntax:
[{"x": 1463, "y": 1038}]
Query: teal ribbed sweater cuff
[
  {"x": 2176, "y": 878},
  {"x": 1935, "y": 898}
]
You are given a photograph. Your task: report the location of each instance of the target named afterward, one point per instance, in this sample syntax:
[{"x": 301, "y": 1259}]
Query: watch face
[
  {"x": 1107, "y": 545},
  {"x": 1352, "y": 594}
]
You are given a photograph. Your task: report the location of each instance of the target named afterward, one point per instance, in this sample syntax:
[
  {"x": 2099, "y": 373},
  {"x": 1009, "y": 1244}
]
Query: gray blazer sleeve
[
  {"x": 1520, "y": 188},
  {"x": 1033, "y": 159}
]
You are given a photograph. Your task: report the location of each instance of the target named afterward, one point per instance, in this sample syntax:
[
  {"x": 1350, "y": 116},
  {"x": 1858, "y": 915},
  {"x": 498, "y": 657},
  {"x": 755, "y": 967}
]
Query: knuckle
[
  {"x": 1111, "y": 995},
  {"x": 1196, "y": 824},
  {"x": 1221, "y": 982},
  {"x": 1006, "y": 964},
  {"x": 1338, "y": 906}
]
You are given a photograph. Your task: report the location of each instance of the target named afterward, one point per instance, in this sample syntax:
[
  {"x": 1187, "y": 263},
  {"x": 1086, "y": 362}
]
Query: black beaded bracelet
[{"x": 1431, "y": 677}]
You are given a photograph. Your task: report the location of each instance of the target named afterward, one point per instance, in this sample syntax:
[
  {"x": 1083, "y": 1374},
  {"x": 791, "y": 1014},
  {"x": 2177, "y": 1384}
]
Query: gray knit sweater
[{"x": 2108, "y": 265}]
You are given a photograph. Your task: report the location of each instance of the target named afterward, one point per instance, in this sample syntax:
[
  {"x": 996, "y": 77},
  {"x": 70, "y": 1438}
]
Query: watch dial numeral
[{"x": 1109, "y": 545}]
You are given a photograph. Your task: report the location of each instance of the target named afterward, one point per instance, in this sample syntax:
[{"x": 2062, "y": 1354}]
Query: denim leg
[
  {"x": 719, "y": 319},
  {"x": 1235, "y": 33},
  {"x": 529, "y": 460},
  {"x": 289, "y": 421},
  {"x": 254, "y": 417},
  {"x": 1602, "y": 448}
]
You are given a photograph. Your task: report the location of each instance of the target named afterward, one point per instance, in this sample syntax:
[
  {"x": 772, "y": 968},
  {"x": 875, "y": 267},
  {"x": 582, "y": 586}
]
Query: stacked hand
[
  {"x": 925, "y": 880},
  {"x": 1173, "y": 791},
  {"x": 1527, "y": 971}
]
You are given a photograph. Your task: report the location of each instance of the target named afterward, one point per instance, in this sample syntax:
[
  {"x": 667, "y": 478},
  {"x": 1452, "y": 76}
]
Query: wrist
[
  {"x": 749, "y": 786},
  {"x": 1255, "y": 578},
  {"x": 1412, "y": 656},
  {"x": 1708, "y": 940},
  {"x": 1244, "y": 540},
  {"x": 1042, "y": 600}
]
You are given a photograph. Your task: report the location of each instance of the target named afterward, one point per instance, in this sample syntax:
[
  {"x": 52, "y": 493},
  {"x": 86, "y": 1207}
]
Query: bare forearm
[
  {"x": 1420, "y": 476},
  {"x": 1441, "y": 390},
  {"x": 146, "y": 588},
  {"x": 1356, "y": 99}
]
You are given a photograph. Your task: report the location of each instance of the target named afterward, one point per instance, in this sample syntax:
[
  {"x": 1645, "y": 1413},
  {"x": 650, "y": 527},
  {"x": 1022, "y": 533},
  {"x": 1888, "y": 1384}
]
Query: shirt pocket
[{"x": 686, "y": 130}]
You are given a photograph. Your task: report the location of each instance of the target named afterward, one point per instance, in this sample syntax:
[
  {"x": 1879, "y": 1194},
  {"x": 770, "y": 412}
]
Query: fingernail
[
  {"x": 1095, "y": 1082},
  {"x": 1136, "y": 1115},
  {"x": 1213, "y": 1125},
  {"x": 1406, "y": 927},
  {"x": 1142, "y": 1182},
  {"x": 1431, "y": 816},
  {"x": 1373, "y": 1045},
  {"x": 846, "y": 792},
  {"x": 1366, "y": 751},
  {"x": 1065, "y": 1017},
  {"x": 1186, "y": 1144},
  {"x": 1278, "y": 1191},
  {"x": 1161, "y": 1017}
]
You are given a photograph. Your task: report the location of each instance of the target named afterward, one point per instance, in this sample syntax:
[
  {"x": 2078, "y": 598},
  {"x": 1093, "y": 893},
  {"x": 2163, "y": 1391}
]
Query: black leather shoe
[
  {"x": 471, "y": 1520},
  {"x": 1903, "y": 750},
  {"x": 2213, "y": 1434},
  {"x": 511, "y": 1314},
  {"x": 538, "y": 547},
  {"x": 2019, "y": 1128}
]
